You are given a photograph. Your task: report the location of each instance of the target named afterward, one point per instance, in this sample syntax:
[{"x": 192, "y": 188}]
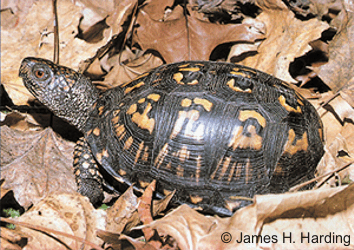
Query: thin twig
[{"x": 56, "y": 33}]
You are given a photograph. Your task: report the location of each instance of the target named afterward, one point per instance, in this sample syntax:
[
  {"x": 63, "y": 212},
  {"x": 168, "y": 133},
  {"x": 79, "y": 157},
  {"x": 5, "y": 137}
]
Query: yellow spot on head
[
  {"x": 246, "y": 114},
  {"x": 282, "y": 101},
  {"x": 204, "y": 102}
]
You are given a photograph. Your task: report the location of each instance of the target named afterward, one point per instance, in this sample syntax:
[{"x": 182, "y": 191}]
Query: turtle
[{"x": 212, "y": 132}]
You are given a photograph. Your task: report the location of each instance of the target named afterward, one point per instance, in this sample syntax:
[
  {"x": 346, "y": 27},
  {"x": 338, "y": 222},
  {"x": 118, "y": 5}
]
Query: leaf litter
[{"x": 116, "y": 41}]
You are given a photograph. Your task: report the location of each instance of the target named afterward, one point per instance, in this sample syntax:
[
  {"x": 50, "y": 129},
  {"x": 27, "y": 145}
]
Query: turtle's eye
[{"x": 39, "y": 74}]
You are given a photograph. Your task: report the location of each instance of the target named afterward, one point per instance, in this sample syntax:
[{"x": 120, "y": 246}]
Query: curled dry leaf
[
  {"x": 287, "y": 38},
  {"x": 188, "y": 38},
  {"x": 34, "y": 164},
  {"x": 68, "y": 213},
  {"x": 273, "y": 218},
  {"x": 123, "y": 216},
  {"x": 340, "y": 67}
]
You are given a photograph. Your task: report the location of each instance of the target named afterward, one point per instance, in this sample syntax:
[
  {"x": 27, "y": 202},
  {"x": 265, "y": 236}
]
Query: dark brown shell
[{"x": 212, "y": 131}]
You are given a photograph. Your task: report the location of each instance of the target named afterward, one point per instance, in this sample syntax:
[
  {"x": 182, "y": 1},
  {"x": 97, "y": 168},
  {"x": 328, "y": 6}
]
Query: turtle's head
[{"x": 67, "y": 93}]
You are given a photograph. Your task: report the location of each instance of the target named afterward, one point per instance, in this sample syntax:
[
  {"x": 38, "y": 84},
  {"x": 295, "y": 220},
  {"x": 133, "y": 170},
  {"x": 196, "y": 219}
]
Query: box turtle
[{"x": 214, "y": 132}]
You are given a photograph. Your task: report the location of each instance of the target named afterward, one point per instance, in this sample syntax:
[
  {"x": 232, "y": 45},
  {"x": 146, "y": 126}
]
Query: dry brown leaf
[
  {"x": 272, "y": 216},
  {"x": 34, "y": 164},
  {"x": 340, "y": 67},
  {"x": 188, "y": 38},
  {"x": 123, "y": 216},
  {"x": 287, "y": 38},
  {"x": 122, "y": 73},
  {"x": 69, "y": 213},
  {"x": 33, "y": 36}
]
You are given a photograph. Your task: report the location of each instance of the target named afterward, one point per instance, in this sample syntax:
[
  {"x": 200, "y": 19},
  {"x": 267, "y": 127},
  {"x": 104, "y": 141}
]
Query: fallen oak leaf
[
  {"x": 60, "y": 222},
  {"x": 35, "y": 164},
  {"x": 188, "y": 38}
]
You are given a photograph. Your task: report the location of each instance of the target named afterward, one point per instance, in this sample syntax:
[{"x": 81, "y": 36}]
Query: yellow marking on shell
[
  {"x": 194, "y": 82},
  {"x": 183, "y": 153},
  {"x": 122, "y": 172},
  {"x": 127, "y": 90},
  {"x": 198, "y": 169},
  {"x": 143, "y": 184},
  {"x": 193, "y": 115},
  {"x": 85, "y": 165},
  {"x": 212, "y": 176},
  {"x": 143, "y": 121},
  {"x": 245, "y": 69},
  {"x": 193, "y": 69},
  {"x": 282, "y": 101},
  {"x": 119, "y": 129},
  {"x": 100, "y": 109},
  {"x": 142, "y": 100},
  {"x": 137, "y": 78},
  {"x": 231, "y": 84},
  {"x": 128, "y": 143},
  {"x": 76, "y": 160},
  {"x": 132, "y": 109},
  {"x": 239, "y": 167},
  {"x": 179, "y": 171},
  {"x": 96, "y": 131},
  {"x": 195, "y": 199},
  {"x": 204, "y": 102},
  {"x": 224, "y": 167},
  {"x": 301, "y": 144},
  {"x": 166, "y": 192},
  {"x": 231, "y": 173},
  {"x": 86, "y": 156},
  {"x": 246, "y": 114},
  {"x": 154, "y": 97},
  {"x": 186, "y": 102},
  {"x": 115, "y": 119},
  {"x": 140, "y": 149},
  {"x": 238, "y": 140},
  {"x": 248, "y": 170},
  {"x": 240, "y": 73},
  {"x": 161, "y": 156},
  {"x": 146, "y": 154},
  {"x": 178, "y": 77},
  {"x": 77, "y": 172}
]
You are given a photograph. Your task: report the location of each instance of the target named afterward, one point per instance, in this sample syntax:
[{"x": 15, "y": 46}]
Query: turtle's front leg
[{"x": 87, "y": 175}]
